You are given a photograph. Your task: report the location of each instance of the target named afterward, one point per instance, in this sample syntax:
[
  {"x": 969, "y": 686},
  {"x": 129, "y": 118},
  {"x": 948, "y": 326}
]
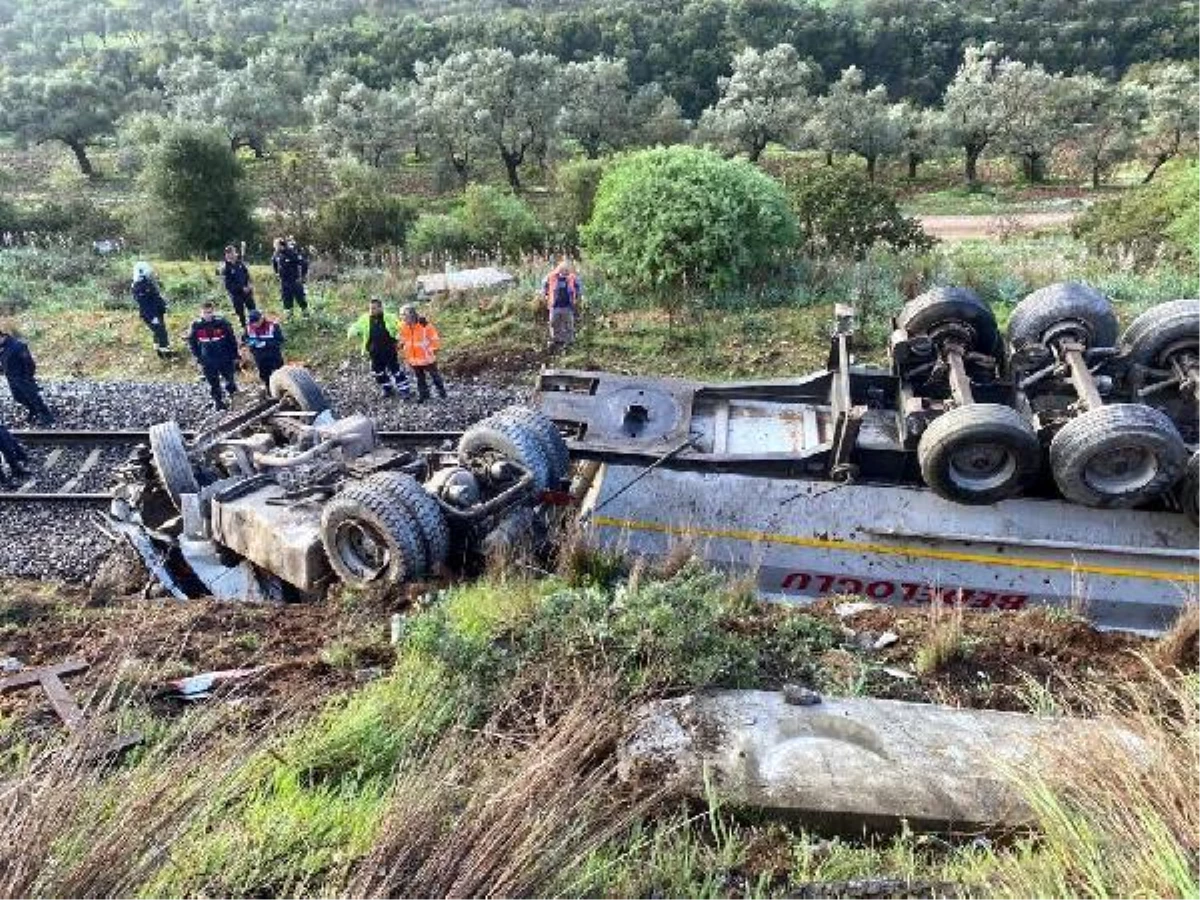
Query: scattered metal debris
[{"x": 200, "y": 687}]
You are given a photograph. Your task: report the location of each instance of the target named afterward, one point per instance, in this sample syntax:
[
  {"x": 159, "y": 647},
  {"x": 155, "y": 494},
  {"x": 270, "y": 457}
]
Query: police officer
[
  {"x": 377, "y": 332},
  {"x": 237, "y": 283},
  {"x": 292, "y": 268},
  {"x": 16, "y": 362},
  {"x": 265, "y": 339},
  {"x": 213, "y": 344},
  {"x": 151, "y": 306}
]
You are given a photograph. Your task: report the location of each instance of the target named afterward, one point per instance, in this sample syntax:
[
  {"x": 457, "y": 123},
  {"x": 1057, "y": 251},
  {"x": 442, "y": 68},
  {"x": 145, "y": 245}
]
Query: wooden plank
[
  {"x": 34, "y": 675},
  {"x": 64, "y": 704}
]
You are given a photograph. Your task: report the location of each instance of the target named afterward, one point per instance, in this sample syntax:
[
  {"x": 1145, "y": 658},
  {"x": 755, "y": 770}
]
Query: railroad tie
[
  {"x": 88, "y": 465},
  {"x": 49, "y": 463}
]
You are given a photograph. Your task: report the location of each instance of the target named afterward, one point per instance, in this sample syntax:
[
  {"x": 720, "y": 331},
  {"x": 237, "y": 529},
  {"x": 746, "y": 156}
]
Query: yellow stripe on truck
[{"x": 893, "y": 550}]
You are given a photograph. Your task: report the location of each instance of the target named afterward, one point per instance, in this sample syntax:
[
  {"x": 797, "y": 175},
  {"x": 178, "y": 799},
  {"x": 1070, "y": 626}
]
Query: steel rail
[{"x": 137, "y": 436}]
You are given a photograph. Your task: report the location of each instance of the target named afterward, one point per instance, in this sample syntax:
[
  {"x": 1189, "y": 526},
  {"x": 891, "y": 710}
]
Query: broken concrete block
[{"x": 850, "y": 763}]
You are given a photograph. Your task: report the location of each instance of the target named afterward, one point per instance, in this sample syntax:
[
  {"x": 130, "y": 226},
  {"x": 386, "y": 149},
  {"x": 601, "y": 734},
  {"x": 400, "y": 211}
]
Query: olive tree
[
  {"x": 367, "y": 124},
  {"x": 72, "y": 106},
  {"x": 972, "y": 114},
  {"x": 852, "y": 119},
  {"x": 490, "y": 100},
  {"x": 656, "y": 117},
  {"x": 1034, "y": 110},
  {"x": 924, "y": 135},
  {"x": 250, "y": 104},
  {"x": 1108, "y": 117},
  {"x": 596, "y": 105},
  {"x": 1171, "y": 125},
  {"x": 765, "y": 99}
]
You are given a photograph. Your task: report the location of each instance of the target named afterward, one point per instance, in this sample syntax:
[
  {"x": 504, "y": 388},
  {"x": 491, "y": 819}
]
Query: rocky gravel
[{"x": 61, "y": 541}]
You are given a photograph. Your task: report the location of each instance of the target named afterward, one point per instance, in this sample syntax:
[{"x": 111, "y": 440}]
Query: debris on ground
[
  {"x": 201, "y": 687},
  {"x": 853, "y": 762}
]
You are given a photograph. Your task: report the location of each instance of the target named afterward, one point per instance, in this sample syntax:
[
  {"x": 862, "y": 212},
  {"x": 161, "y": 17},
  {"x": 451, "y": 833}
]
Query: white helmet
[{"x": 141, "y": 270}]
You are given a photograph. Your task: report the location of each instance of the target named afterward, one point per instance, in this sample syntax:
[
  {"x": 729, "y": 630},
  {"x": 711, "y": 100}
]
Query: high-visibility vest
[
  {"x": 421, "y": 341},
  {"x": 572, "y": 289}
]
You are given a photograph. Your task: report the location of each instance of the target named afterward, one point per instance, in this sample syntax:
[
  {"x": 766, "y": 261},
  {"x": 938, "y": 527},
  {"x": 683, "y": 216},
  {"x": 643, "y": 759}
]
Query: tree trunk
[
  {"x": 914, "y": 160},
  {"x": 870, "y": 167},
  {"x": 512, "y": 162},
  {"x": 1033, "y": 165},
  {"x": 756, "y": 148},
  {"x": 1095, "y": 175},
  {"x": 1158, "y": 161},
  {"x": 81, "y": 157},
  {"x": 829, "y": 157},
  {"x": 972, "y": 160}
]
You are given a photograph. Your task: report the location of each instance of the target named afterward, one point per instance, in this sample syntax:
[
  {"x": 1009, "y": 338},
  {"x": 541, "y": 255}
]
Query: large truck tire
[
  {"x": 553, "y": 445},
  {"x": 952, "y": 310},
  {"x": 1070, "y": 309},
  {"x": 1163, "y": 333},
  {"x": 1117, "y": 456},
  {"x": 508, "y": 440},
  {"x": 979, "y": 454},
  {"x": 424, "y": 510},
  {"x": 168, "y": 450},
  {"x": 298, "y": 389},
  {"x": 370, "y": 538}
]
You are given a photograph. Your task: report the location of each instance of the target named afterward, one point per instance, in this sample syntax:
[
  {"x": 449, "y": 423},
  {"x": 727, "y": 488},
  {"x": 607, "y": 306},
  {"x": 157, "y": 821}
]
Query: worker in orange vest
[
  {"x": 421, "y": 342},
  {"x": 562, "y": 290}
]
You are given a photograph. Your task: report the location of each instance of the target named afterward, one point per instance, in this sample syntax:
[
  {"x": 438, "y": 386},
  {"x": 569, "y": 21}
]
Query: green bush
[
  {"x": 489, "y": 221},
  {"x": 77, "y": 219},
  {"x": 671, "y": 222},
  {"x": 1149, "y": 223},
  {"x": 577, "y": 182},
  {"x": 841, "y": 213},
  {"x": 361, "y": 220},
  {"x": 196, "y": 202}
]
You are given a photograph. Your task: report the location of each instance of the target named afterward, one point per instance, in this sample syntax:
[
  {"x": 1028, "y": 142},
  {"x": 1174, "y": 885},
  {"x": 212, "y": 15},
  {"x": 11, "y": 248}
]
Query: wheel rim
[
  {"x": 1121, "y": 470},
  {"x": 981, "y": 467},
  {"x": 361, "y": 550}
]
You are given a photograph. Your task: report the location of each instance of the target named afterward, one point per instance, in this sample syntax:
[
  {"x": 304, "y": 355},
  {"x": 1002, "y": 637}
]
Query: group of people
[{"x": 393, "y": 343}]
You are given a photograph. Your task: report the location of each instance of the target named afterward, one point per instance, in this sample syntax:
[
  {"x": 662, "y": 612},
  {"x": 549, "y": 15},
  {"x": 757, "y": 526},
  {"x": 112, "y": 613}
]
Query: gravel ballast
[{"x": 61, "y": 540}]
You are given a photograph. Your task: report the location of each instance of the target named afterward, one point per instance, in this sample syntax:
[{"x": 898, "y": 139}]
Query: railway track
[{"x": 76, "y": 466}]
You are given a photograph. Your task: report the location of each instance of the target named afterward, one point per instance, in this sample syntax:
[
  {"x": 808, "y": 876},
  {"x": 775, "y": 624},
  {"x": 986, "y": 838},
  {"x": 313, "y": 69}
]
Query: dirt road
[{"x": 962, "y": 228}]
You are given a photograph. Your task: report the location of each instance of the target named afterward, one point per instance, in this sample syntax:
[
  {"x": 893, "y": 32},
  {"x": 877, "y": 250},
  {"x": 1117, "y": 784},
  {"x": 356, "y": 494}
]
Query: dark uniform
[
  {"x": 19, "y": 369},
  {"x": 152, "y": 308},
  {"x": 237, "y": 284},
  {"x": 214, "y": 345},
  {"x": 264, "y": 337},
  {"x": 292, "y": 267},
  {"x": 13, "y": 454}
]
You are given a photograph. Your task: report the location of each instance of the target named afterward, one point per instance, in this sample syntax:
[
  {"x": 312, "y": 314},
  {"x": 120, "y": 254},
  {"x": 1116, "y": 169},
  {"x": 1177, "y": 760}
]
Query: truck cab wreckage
[{"x": 281, "y": 499}]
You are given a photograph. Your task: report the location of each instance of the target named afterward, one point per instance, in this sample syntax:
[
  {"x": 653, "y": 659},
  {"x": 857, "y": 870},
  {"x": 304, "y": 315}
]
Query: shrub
[
  {"x": 577, "y": 182},
  {"x": 1150, "y": 222},
  {"x": 489, "y": 221},
  {"x": 841, "y": 213},
  {"x": 76, "y": 218},
  {"x": 673, "y": 221},
  {"x": 363, "y": 221},
  {"x": 197, "y": 200}
]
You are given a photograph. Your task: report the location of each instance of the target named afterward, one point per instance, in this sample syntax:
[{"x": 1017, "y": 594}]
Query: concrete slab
[
  {"x": 463, "y": 280},
  {"x": 850, "y": 764}
]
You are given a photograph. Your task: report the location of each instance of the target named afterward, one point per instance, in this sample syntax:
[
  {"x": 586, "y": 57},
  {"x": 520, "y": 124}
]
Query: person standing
[
  {"x": 264, "y": 337},
  {"x": 236, "y": 275},
  {"x": 292, "y": 268},
  {"x": 16, "y": 362},
  {"x": 421, "y": 342},
  {"x": 14, "y": 454},
  {"x": 213, "y": 344},
  {"x": 562, "y": 290},
  {"x": 151, "y": 307},
  {"x": 377, "y": 331}
]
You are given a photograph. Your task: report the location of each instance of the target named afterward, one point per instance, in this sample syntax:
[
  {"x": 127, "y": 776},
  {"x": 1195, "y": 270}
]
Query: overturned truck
[
  {"x": 1056, "y": 465},
  {"x": 281, "y": 499}
]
